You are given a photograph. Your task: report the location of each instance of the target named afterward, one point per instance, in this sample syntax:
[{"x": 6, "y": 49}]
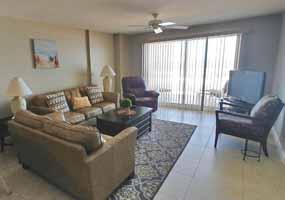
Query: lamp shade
[
  {"x": 107, "y": 71},
  {"x": 17, "y": 88}
]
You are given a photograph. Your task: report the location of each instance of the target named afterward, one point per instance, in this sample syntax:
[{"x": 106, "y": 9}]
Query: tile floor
[{"x": 204, "y": 173}]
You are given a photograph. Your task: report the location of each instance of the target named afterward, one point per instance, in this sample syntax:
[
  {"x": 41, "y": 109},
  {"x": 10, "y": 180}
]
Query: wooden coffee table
[{"x": 111, "y": 123}]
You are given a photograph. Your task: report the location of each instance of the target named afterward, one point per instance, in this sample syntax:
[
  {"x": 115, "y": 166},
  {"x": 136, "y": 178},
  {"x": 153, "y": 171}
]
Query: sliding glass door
[{"x": 190, "y": 73}]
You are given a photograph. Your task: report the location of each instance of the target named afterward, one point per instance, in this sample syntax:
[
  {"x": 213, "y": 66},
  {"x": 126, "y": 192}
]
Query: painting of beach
[{"x": 45, "y": 54}]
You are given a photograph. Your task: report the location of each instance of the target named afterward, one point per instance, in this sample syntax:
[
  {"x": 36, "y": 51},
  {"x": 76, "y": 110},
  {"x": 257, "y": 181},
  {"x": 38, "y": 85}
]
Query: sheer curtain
[
  {"x": 163, "y": 68},
  {"x": 191, "y": 72}
]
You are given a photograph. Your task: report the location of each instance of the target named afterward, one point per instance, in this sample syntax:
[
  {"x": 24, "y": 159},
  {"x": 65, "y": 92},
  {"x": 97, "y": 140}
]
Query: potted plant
[{"x": 126, "y": 104}]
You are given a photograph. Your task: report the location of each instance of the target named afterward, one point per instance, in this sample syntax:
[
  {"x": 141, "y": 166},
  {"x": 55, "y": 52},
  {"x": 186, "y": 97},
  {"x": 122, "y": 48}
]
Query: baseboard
[{"x": 280, "y": 149}]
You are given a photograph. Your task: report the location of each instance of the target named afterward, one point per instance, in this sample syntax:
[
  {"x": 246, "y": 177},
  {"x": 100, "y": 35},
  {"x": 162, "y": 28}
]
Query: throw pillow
[
  {"x": 88, "y": 137},
  {"x": 94, "y": 94},
  {"x": 80, "y": 102},
  {"x": 57, "y": 102}
]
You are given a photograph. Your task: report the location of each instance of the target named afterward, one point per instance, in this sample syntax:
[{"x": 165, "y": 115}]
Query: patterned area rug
[{"x": 156, "y": 154}]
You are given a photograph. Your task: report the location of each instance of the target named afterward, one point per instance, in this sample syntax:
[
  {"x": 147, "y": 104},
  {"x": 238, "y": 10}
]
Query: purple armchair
[{"x": 135, "y": 89}]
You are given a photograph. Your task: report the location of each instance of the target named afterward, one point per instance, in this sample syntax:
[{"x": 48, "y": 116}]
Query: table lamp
[
  {"x": 18, "y": 89},
  {"x": 107, "y": 73}
]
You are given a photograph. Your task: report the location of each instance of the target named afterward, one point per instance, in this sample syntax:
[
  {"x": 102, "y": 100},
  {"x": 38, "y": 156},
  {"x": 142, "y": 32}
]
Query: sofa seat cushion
[
  {"x": 237, "y": 125},
  {"x": 74, "y": 117},
  {"x": 105, "y": 106},
  {"x": 88, "y": 137},
  {"x": 90, "y": 112}
]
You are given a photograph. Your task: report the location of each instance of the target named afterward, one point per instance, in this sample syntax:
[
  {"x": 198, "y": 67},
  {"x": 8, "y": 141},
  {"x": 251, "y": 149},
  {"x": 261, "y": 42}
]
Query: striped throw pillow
[
  {"x": 94, "y": 94},
  {"x": 57, "y": 102}
]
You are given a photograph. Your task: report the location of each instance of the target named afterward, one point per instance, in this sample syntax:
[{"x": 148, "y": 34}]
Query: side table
[{"x": 4, "y": 132}]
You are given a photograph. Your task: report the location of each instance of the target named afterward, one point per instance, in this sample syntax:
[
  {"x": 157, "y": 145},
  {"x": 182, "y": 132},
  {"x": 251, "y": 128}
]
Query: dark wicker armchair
[
  {"x": 135, "y": 89},
  {"x": 255, "y": 126}
]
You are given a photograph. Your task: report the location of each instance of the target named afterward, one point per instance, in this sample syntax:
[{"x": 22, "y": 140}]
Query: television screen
[{"x": 247, "y": 86}]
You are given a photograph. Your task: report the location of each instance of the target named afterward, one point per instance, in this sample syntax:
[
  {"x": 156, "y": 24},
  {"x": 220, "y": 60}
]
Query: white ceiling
[{"x": 114, "y": 16}]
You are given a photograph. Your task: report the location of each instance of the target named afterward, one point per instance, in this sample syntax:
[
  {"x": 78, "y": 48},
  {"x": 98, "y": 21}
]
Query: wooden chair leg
[{"x": 245, "y": 149}]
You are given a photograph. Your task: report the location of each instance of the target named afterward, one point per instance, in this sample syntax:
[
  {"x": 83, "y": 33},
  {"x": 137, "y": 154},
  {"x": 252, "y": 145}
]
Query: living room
[{"x": 111, "y": 46}]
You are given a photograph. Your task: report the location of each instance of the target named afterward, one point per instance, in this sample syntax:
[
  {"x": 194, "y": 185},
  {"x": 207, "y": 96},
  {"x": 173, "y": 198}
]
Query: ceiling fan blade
[
  {"x": 166, "y": 24},
  {"x": 178, "y": 27},
  {"x": 137, "y": 26}
]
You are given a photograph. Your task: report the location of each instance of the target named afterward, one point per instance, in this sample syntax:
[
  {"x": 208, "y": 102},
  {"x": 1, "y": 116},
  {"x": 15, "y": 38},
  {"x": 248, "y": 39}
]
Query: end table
[{"x": 4, "y": 132}]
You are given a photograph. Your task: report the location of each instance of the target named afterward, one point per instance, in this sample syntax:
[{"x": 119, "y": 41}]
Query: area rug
[{"x": 156, "y": 154}]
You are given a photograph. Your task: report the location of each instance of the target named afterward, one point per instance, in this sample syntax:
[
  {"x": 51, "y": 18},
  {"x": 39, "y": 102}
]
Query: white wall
[
  {"x": 16, "y": 56},
  {"x": 258, "y": 48},
  {"x": 279, "y": 82}
]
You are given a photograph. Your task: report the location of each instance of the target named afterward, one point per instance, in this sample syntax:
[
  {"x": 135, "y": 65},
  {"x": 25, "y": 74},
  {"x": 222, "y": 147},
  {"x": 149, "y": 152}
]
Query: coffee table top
[{"x": 112, "y": 116}]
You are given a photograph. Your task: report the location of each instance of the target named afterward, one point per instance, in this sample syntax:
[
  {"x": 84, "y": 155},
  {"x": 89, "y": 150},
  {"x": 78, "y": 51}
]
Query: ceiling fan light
[
  {"x": 157, "y": 30},
  {"x": 166, "y": 23}
]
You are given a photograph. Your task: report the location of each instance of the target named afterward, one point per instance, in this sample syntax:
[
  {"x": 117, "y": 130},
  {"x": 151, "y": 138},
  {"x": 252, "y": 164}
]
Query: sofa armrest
[
  {"x": 112, "y": 163},
  {"x": 112, "y": 97},
  {"x": 40, "y": 110},
  {"x": 151, "y": 93}
]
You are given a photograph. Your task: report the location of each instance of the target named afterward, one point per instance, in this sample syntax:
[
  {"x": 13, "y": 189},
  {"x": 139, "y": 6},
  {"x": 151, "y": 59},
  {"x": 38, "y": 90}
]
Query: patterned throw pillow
[
  {"x": 57, "y": 102},
  {"x": 94, "y": 94}
]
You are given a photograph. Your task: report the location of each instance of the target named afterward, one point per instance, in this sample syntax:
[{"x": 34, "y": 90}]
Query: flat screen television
[{"x": 246, "y": 86}]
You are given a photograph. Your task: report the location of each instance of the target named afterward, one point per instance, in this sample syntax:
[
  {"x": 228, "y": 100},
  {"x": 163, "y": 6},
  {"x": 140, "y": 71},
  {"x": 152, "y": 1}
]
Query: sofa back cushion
[
  {"x": 57, "y": 102},
  {"x": 267, "y": 108},
  {"x": 88, "y": 137},
  {"x": 30, "y": 119},
  {"x": 70, "y": 94},
  {"x": 94, "y": 94}
]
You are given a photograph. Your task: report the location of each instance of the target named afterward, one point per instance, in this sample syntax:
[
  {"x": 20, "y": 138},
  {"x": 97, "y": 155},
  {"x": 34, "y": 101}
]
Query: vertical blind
[{"x": 178, "y": 69}]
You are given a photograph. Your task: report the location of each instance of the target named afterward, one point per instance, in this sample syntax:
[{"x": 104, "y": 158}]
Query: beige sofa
[
  {"x": 86, "y": 176},
  {"x": 38, "y": 104}
]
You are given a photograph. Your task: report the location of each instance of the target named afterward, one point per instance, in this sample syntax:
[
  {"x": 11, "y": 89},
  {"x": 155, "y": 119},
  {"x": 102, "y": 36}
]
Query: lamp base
[
  {"x": 107, "y": 84},
  {"x": 17, "y": 104}
]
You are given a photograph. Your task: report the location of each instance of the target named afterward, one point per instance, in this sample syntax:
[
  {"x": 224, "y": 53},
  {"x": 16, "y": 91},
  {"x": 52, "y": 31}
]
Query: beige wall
[
  {"x": 102, "y": 53},
  {"x": 279, "y": 82},
  {"x": 258, "y": 48},
  {"x": 16, "y": 56}
]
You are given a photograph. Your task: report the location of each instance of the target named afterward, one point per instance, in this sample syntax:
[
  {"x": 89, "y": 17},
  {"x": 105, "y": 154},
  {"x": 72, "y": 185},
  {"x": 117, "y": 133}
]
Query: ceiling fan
[{"x": 158, "y": 25}]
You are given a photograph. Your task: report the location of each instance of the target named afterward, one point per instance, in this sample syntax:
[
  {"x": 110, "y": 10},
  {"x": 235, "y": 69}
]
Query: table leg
[{"x": 2, "y": 144}]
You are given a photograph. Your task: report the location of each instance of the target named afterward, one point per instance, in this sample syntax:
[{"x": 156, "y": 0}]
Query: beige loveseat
[
  {"x": 110, "y": 101},
  {"x": 85, "y": 175}
]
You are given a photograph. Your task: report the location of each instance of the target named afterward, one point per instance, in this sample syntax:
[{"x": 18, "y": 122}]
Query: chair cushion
[
  {"x": 138, "y": 92},
  {"x": 88, "y": 137},
  {"x": 30, "y": 119},
  {"x": 90, "y": 112},
  {"x": 57, "y": 102},
  {"x": 94, "y": 94},
  {"x": 74, "y": 117},
  {"x": 267, "y": 108},
  {"x": 105, "y": 106},
  {"x": 80, "y": 102},
  {"x": 239, "y": 125}
]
